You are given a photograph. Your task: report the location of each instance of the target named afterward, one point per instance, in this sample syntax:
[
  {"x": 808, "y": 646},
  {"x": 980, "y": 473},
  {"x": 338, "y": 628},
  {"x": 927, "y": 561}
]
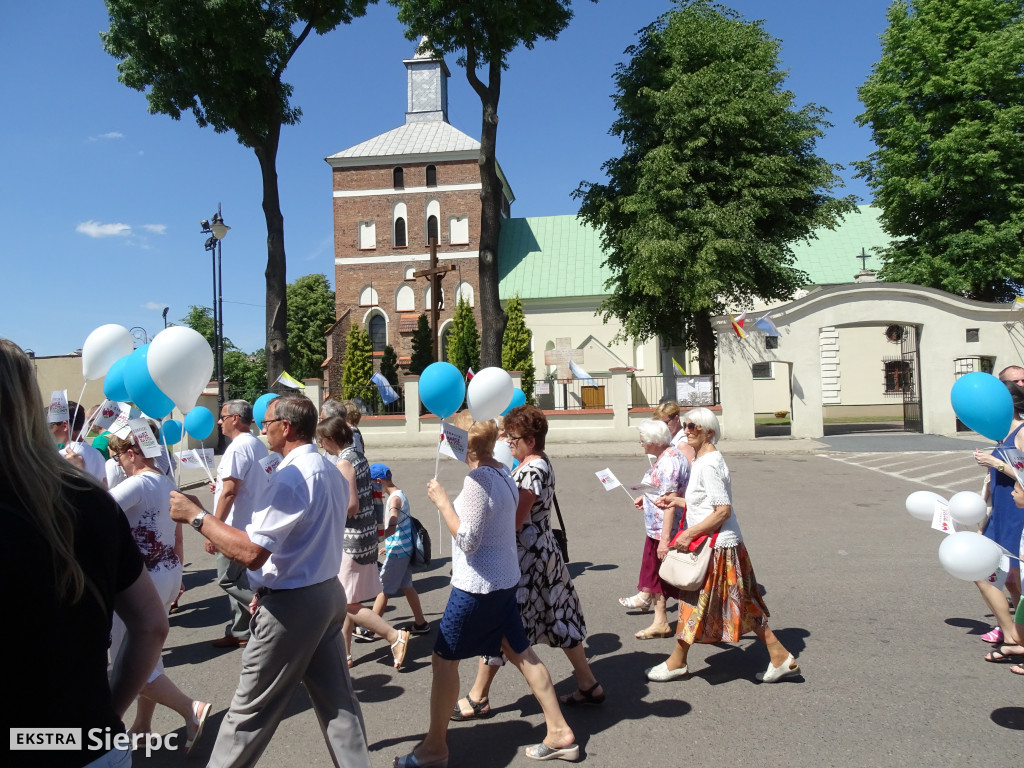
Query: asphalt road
[{"x": 888, "y": 642}]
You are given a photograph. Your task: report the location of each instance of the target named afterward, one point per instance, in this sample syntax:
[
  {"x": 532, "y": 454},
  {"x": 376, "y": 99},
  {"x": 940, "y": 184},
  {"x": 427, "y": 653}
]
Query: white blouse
[
  {"x": 710, "y": 486},
  {"x": 484, "y": 556}
]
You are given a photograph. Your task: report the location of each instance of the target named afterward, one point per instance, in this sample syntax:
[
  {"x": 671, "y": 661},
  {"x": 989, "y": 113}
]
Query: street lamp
[{"x": 217, "y": 229}]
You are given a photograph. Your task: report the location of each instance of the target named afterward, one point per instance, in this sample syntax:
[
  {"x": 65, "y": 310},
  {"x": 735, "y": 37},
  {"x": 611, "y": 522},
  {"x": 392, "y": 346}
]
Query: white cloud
[
  {"x": 95, "y": 229},
  {"x": 154, "y": 305},
  {"x": 156, "y": 229},
  {"x": 109, "y": 136}
]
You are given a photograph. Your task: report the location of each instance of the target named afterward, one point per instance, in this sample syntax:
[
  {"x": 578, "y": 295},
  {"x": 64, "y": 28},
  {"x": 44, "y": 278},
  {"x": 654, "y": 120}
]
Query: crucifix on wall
[
  {"x": 560, "y": 356},
  {"x": 434, "y": 274}
]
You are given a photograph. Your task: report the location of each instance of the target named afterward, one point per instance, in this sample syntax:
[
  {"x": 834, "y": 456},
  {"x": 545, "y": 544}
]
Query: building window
[
  {"x": 408, "y": 273},
  {"x": 431, "y": 176},
  {"x": 898, "y": 377},
  {"x": 771, "y": 342},
  {"x": 464, "y": 291},
  {"x": 378, "y": 329},
  {"x": 400, "y": 238},
  {"x": 405, "y": 299},
  {"x": 458, "y": 230},
  {"x": 761, "y": 370},
  {"x": 398, "y": 176},
  {"x": 973, "y": 334},
  {"x": 367, "y": 235},
  {"x": 426, "y": 299},
  {"x": 445, "y": 333},
  {"x": 368, "y": 297},
  {"x": 432, "y": 229}
]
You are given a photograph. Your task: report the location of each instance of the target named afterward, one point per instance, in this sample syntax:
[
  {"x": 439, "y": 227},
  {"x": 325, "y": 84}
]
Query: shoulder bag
[{"x": 688, "y": 570}]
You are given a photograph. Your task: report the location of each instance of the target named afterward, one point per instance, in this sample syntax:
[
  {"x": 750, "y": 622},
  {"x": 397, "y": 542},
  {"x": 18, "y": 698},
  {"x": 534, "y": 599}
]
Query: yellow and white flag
[
  {"x": 289, "y": 381},
  {"x": 678, "y": 367}
]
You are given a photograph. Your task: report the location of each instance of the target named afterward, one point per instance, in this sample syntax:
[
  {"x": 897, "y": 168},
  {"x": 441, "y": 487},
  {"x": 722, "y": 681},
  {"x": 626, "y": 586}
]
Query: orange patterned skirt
[{"x": 728, "y": 606}]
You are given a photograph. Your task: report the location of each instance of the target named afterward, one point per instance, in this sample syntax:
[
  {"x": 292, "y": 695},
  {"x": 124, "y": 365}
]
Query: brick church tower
[{"x": 392, "y": 194}]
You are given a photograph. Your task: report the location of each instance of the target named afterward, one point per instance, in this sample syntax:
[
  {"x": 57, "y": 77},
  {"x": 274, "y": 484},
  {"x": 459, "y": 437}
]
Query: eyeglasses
[
  {"x": 510, "y": 439},
  {"x": 227, "y": 415},
  {"x": 272, "y": 421},
  {"x": 692, "y": 427}
]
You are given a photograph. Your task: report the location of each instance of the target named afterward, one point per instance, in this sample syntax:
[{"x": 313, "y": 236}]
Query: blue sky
[{"x": 102, "y": 201}]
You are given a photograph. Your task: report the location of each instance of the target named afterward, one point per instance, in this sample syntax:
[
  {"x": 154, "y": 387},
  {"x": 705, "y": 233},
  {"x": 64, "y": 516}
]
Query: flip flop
[
  {"x": 411, "y": 761},
  {"x": 543, "y": 752},
  {"x": 581, "y": 698},
  {"x": 998, "y": 657},
  {"x": 478, "y": 713}
]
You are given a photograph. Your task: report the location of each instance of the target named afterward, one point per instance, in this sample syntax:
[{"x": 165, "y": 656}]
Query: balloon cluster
[
  {"x": 983, "y": 403},
  {"x": 490, "y": 393},
  {"x": 171, "y": 371}
]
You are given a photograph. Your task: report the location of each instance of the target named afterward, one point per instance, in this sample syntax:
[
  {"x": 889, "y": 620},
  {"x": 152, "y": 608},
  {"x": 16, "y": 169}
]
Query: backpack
[{"x": 420, "y": 544}]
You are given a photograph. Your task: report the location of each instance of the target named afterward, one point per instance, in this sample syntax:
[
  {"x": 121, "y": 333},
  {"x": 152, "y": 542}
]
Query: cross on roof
[
  {"x": 560, "y": 356},
  {"x": 863, "y": 259}
]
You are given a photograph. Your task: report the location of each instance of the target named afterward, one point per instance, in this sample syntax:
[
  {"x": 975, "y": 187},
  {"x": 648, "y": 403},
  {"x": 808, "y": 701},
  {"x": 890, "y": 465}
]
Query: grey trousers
[
  {"x": 233, "y": 578},
  {"x": 296, "y": 638}
]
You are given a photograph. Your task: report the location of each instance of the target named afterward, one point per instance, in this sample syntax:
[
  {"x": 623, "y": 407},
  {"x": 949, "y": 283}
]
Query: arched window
[
  {"x": 408, "y": 272},
  {"x": 433, "y": 211},
  {"x": 464, "y": 291},
  {"x": 368, "y": 297},
  {"x": 405, "y": 299},
  {"x": 426, "y": 299},
  {"x": 431, "y": 176},
  {"x": 398, "y": 175},
  {"x": 446, "y": 331},
  {"x": 378, "y": 330},
  {"x": 401, "y": 237},
  {"x": 432, "y": 235}
]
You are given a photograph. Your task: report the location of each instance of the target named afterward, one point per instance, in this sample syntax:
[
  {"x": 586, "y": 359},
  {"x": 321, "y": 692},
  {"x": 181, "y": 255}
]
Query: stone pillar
[
  {"x": 315, "y": 391},
  {"x": 517, "y": 379},
  {"x": 620, "y": 397},
  {"x": 411, "y": 385}
]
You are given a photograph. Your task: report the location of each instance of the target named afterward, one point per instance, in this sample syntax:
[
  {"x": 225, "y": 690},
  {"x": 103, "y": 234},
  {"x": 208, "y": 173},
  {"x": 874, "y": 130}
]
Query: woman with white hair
[
  {"x": 728, "y": 604},
  {"x": 667, "y": 477}
]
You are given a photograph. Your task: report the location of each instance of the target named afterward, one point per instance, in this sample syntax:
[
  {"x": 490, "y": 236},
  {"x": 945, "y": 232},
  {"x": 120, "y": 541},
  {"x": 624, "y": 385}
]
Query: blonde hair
[
  {"x": 665, "y": 411},
  {"x": 482, "y": 435},
  {"x": 34, "y": 472}
]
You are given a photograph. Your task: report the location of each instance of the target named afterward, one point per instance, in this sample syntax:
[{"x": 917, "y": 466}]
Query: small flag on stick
[
  {"x": 678, "y": 367},
  {"x": 610, "y": 481},
  {"x": 766, "y": 325},
  {"x": 387, "y": 392},
  {"x": 737, "y": 324}
]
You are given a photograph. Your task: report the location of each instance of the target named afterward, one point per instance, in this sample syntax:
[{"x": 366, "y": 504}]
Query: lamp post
[{"x": 217, "y": 229}]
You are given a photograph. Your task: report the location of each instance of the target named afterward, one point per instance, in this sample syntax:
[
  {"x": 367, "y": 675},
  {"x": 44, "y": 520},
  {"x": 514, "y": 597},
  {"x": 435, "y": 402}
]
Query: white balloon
[
  {"x": 489, "y": 393},
  {"x": 503, "y": 454},
  {"x": 103, "y": 347},
  {"x": 969, "y": 556},
  {"x": 967, "y": 508},
  {"x": 181, "y": 364},
  {"x": 921, "y": 504}
]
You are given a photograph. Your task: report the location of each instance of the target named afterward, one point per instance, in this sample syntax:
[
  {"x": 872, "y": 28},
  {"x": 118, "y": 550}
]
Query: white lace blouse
[
  {"x": 710, "y": 486},
  {"x": 484, "y": 556}
]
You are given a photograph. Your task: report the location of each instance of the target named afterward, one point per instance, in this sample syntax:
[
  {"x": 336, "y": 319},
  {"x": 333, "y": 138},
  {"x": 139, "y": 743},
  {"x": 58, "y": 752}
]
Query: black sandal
[
  {"x": 586, "y": 698},
  {"x": 478, "y": 710}
]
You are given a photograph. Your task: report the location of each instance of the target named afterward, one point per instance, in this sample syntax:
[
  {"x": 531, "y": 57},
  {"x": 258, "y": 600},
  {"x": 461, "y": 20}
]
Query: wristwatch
[{"x": 197, "y": 521}]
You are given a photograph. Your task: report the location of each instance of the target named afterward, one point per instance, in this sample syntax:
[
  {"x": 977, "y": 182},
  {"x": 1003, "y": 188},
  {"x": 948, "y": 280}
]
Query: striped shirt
[{"x": 399, "y": 544}]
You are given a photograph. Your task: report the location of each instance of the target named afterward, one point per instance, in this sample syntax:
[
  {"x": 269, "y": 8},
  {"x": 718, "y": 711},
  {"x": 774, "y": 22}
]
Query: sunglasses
[{"x": 691, "y": 426}]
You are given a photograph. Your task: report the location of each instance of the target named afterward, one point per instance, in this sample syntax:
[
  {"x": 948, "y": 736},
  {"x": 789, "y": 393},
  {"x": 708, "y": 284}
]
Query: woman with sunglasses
[{"x": 728, "y": 605}]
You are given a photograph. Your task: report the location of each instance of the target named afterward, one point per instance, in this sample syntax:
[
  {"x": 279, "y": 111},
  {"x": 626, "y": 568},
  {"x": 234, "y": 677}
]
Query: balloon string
[
  {"x": 202, "y": 460},
  {"x": 437, "y": 458},
  {"x": 74, "y": 416}
]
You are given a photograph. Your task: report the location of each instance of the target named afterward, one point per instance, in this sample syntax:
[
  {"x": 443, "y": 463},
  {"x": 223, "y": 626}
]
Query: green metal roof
[{"x": 559, "y": 256}]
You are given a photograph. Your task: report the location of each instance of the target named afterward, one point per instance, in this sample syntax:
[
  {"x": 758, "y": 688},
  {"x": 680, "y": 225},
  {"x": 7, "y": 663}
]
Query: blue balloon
[
  {"x": 199, "y": 422},
  {"x": 142, "y": 390},
  {"x": 983, "y": 403},
  {"x": 170, "y": 431},
  {"x": 259, "y": 408},
  {"x": 518, "y": 398},
  {"x": 442, "y": 389},
  {"x": 113, "y": 384}
]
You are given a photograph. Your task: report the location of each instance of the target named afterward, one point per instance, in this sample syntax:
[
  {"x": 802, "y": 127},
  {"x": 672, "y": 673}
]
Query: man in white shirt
[
  {"x": 238, "y": 492},
  {"x": 293, "y": 550},
  {"x": 71, "y": 439}
]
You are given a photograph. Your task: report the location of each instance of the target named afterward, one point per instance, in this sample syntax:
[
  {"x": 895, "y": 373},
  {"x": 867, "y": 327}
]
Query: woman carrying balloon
[
  {"x": 728, "y": 604},
  {"x": 1004, "y": 525},
  {"x": 481, "y": 617}
]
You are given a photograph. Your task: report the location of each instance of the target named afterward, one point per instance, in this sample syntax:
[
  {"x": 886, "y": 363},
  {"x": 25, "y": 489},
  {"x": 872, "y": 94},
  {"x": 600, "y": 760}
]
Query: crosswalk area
[{"x": 950, "y": 471}]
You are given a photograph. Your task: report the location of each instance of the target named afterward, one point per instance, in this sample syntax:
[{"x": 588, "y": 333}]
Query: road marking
[{"x": 958, "y": 471}]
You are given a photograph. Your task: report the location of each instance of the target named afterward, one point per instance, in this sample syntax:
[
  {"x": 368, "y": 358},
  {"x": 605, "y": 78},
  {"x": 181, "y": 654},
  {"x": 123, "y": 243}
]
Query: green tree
[
  {"x": 422, "y": 346},
  {"x": 485, "y": 32},
  {"x": 464, "y": 339},
  {"x": 224, "y": 62},
  {"x": 946, "y": 108},
  {"x": 389, "y": 365},
  {"x": 357, "y": 367},
  {"x": 516, "y": 353},
  {"x": 200, "y": 319},
  {"x": 718, "y": 177},
  {"x": 246, "y": 374},
  {"x": 310, "y": 313}
]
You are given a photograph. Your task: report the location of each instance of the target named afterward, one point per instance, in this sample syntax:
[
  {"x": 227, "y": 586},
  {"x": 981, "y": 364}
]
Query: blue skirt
[{"x": 474, "y": 625}]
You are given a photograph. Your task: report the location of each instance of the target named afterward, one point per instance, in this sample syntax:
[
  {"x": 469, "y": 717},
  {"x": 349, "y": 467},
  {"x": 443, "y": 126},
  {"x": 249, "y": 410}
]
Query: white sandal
[
  {"x": 635, "y": 602},
  {"x": 399, "y": 647},
  {"x": 194, "y": 728}
]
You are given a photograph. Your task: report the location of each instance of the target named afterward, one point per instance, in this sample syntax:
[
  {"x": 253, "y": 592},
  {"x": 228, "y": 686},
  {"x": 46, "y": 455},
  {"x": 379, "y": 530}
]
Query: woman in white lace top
[
  {"x": 728, "y": 605},
  {"x": 482, "y": 618}
]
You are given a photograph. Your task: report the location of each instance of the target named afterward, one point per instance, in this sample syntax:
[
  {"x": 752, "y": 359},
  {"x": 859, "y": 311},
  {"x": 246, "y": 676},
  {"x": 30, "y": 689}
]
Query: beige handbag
[{"x": 688, "y": 570}]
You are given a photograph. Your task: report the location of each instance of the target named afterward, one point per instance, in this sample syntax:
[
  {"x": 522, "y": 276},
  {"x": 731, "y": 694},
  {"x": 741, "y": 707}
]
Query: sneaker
[
  {"x": 363, "y": 635},
  {"x": 419, "y": 629}
]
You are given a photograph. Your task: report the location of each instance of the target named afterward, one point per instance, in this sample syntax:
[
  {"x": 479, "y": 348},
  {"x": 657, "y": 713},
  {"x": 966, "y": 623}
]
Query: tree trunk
[
  {"x": 705, "y": 334},
  {"x": 276, "y": 274},
  {"x": 492, "y": 317}
]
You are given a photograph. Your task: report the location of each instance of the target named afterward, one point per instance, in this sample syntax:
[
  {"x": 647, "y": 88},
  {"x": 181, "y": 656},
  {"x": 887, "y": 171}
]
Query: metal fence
[
  {"x": 571, "y": 395},
  {"x": 688, "y": 391},
  {"x": 368, "y": 399}
]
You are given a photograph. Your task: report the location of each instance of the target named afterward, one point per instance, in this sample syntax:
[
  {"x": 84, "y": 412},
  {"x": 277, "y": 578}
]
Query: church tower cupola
[{"x": 427, "y": 86}]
